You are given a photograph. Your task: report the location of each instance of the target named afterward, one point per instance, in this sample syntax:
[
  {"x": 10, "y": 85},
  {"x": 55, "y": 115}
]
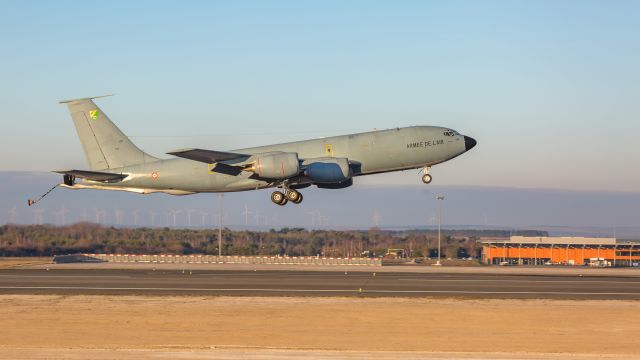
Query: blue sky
[{"x": 548, "y": 88}]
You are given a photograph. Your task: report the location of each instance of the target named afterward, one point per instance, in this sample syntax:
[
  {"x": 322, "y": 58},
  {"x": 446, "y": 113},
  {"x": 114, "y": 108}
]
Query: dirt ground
[{"x": 327, "y": 324}]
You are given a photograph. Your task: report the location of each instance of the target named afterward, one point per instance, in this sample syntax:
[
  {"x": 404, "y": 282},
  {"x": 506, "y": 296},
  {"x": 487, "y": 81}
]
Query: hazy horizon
[{"x": 362, "y": 206}]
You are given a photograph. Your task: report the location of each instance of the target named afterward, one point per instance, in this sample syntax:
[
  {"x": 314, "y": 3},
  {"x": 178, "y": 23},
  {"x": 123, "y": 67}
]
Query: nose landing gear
[{"x": 426, "y": 178}]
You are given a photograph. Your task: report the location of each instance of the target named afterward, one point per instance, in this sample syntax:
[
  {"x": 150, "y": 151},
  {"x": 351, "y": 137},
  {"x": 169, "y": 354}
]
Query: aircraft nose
[{"x": 469, "y": 143}]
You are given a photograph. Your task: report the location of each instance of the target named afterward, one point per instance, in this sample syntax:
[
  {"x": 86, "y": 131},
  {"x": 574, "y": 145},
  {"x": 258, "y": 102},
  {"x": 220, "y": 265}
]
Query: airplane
[{"x": 115, "y": 163}]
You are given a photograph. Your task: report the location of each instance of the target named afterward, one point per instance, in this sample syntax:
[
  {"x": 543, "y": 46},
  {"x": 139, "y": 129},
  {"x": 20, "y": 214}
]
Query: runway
[{"x": 310, "y": 283}]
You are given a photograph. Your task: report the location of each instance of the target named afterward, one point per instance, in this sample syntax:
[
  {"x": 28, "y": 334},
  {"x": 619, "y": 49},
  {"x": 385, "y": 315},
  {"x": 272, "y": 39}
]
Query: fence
[{"x": 214, "y": 259}]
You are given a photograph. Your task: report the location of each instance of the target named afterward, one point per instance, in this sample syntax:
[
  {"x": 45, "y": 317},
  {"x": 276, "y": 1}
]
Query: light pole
[
  {"x": 220, "y": 227},
  {"x": 440, "y": 198}
]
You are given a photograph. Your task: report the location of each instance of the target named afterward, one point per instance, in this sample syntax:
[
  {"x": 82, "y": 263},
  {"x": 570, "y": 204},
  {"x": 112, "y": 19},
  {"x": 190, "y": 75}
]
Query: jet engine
[
  {"x": 340, "y": 185},
  {"x": 328, "y": 171},
  {"x": 281, "y": 165}
]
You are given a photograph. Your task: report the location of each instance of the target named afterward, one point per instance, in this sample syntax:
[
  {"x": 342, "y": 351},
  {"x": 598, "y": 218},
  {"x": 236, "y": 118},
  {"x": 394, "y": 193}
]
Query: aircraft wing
[
  {"x": 208, "y": 156},
  {"x": 93, "y": 175}
]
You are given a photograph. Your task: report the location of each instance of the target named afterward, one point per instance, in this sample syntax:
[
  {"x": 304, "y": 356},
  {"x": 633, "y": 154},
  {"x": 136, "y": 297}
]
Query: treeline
[{"x": 47, "y": 240}]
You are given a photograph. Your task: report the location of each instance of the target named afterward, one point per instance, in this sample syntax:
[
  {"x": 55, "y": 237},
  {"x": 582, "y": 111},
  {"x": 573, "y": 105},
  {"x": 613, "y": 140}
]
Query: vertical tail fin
[{"x": 105, "y": 146}]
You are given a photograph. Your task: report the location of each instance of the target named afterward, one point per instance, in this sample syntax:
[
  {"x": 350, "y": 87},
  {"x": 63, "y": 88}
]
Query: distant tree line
[{"x": 48, "y": 240}]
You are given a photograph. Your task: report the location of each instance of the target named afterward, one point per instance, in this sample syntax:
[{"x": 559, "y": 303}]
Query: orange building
[{"x": 521, "y": 250}]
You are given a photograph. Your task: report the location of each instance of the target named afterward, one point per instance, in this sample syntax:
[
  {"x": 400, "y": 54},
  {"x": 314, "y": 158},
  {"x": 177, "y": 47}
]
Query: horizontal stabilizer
[
  {"x": 82, "y": 99},
  {"x": 93, "y": 175},
  {"x": 208, "y": 156}
]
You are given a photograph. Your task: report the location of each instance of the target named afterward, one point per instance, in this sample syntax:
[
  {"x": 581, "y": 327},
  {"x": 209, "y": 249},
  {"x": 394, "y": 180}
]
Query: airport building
[{"x": 522, "y": 250}]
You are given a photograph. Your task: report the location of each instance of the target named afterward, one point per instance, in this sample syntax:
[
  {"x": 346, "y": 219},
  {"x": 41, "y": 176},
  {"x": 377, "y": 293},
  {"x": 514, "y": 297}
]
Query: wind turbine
[
  {"x": 433, "y": 219},
  {"x": 12, "y": 214},
  {"x": 100, "y": 215},
  {"x": 61, "y": 215},
  {"x": 118, "y": 216},
  {"x": 204, "y": 217},
  {"x": 136, "y": 214},
  {"x": 324, "y": 221},
  {"x": 189, "y": 212},
  {"x": 84, "y": 217},
  {"x": 174, "y": 214},
  {"x": 376, "y": 218},
  {"x": 152, "y": 217},
  {"x": 246, "y": 213},
  {"x": 315, "y": 214},
  {"x": 38, "y": 216},
  {"x": 257, "y": 216}
]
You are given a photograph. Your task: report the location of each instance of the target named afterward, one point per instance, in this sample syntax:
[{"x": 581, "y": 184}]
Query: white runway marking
[
  {"x": 459, "y": 292},
  {"x": 164, "y": 289},
  {"x": 67, "y": 276},
  {"x": 525, "y": 281},
  {"x": 576, "y": 281}
]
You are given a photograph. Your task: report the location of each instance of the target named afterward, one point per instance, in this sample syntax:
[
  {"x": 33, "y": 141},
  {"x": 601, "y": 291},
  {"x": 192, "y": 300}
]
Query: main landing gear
[
  {"x": 426, "y": 178},
  {"x": 282, "y": 199}
]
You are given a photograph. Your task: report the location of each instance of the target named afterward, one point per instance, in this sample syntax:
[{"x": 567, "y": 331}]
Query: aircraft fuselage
[{"x": 369, "y": 153}]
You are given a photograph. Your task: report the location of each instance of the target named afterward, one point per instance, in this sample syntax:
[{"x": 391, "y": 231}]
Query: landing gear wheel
[
  {"x": 293, "y": 196},
  {"x": 426, "y": 178},
  {"x": 278, "y": 198},
  {"x": 299, "y": 199}
]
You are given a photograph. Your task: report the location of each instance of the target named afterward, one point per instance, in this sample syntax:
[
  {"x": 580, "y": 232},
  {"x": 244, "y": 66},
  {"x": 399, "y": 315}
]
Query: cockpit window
[{"x": 450, "y": 133}]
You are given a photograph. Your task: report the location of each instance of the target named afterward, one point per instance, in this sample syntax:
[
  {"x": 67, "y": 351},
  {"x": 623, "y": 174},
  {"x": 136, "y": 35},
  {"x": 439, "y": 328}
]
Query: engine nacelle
[
  {"x": 275, "y": 165},
  {"x": 340, "y": 185},
  {"x": 328, "y": 171}
]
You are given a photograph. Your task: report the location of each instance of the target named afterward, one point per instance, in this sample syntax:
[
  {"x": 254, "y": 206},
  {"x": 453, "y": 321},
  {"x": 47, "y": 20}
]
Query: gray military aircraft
[{"x": 117, "y": 164}]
